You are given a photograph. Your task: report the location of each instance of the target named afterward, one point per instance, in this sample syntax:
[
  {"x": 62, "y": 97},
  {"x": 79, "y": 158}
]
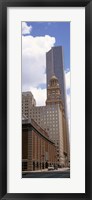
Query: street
[{"x": 47, "y": 174}]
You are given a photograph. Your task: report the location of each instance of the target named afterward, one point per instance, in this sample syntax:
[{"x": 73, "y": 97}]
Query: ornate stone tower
[
  {"x": 54, "y": 98},
  {"x": 53, "y": 92}
]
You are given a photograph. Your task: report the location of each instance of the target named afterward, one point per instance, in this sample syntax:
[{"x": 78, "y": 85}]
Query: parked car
[{"x": 51, "y": 167}]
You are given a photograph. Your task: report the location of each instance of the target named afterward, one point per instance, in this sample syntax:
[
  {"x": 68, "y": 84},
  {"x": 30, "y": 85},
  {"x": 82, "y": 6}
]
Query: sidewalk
[{"x": 46, "y": 170}]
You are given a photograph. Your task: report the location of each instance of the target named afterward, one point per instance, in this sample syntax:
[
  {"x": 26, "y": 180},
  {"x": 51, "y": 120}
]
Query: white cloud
[
  {"x": 40, "y": 95},
  {"x": 26, "y": 29},
  {"x": 34, "y": 60}
]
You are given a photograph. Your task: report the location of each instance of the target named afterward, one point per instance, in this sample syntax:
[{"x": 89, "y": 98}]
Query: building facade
[
  {"x": 38, "y": 151},
  {"x": 55, "y": 66},
  {"x": 28, "y": 102},
  {"x": 52, "y": 118}
]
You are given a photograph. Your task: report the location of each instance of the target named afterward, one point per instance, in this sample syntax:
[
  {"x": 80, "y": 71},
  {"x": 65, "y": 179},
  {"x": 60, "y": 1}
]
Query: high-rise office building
[
  {"x": 28, "y": 102},
  {"x": 54, "y": 99},
  {"x": 55, "y": 65}
]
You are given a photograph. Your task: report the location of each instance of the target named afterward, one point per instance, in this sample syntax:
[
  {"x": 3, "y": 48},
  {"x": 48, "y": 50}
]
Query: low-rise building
[{"x": 38, "y": 151}]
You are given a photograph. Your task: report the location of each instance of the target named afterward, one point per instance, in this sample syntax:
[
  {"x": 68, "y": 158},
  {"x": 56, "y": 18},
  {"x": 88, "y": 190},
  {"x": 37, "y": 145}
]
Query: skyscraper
[{"x": 55, "y": 66}]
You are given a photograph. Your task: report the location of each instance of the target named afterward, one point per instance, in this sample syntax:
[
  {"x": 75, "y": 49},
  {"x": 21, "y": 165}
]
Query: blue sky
[{"x": 59, "y": 30}]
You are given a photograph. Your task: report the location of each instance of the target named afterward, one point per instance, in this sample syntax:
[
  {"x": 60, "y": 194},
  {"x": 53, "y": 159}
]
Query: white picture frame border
[{"x": 15, "y": 183}]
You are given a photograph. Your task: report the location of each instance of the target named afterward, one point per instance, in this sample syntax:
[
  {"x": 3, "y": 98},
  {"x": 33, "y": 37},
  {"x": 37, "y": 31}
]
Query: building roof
[
  {"x": 54, "y": 77},
  {"x": 40, "y": 130}
]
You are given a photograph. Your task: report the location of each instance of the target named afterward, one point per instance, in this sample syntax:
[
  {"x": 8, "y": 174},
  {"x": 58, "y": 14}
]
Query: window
[{"x": 24, "y": 166}]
